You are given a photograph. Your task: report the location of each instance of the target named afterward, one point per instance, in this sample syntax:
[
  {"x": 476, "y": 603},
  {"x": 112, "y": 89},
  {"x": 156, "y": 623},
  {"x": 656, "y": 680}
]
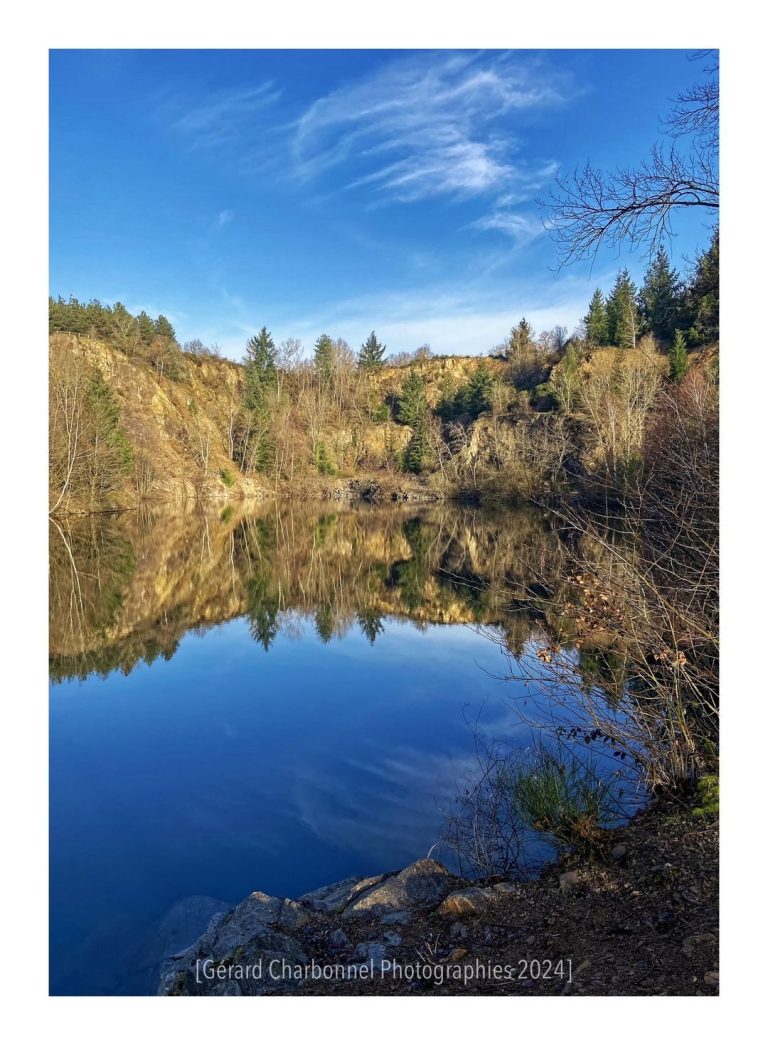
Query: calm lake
[{"x": 269, "y": 701}]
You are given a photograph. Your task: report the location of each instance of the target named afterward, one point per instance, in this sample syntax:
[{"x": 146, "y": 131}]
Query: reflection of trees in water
[
  {"x": 128, "y": 588},
  {"x": 90, "y": 566}
]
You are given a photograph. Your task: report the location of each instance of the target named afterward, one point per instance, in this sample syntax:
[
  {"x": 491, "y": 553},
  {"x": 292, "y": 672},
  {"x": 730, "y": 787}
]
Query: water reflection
[
  {"x": 267, "y": 700},
  {"x": 124, "y": 590}
]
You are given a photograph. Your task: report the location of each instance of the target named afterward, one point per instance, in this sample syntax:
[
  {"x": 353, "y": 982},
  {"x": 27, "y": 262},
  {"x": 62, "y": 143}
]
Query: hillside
[
  {"x": 130, "y": 427},
  {"x": 180, "y": 428}
]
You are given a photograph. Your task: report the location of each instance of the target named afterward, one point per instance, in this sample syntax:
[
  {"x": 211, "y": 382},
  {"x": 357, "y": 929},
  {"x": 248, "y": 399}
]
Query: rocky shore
[{"x": 641, "y": 920}]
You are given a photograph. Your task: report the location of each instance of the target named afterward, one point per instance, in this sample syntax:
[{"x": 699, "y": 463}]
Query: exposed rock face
[
  {"x": 252, "y": 948},
  {"x": 420, "y": 886},
  {"x": 239, "y": 949}
]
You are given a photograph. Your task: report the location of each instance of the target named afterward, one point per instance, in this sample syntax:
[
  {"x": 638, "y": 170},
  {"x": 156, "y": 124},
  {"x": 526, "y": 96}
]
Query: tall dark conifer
[
  {"x": 623, "y": 318},
  {"x": 661, "y": 298},
  {"x": 596, "y": 320},
  {"x": 371, "y": 354}
]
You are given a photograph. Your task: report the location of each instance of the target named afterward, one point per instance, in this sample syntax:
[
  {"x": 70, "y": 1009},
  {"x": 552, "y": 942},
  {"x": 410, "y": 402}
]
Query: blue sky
[{"x": 341, "y": 191}]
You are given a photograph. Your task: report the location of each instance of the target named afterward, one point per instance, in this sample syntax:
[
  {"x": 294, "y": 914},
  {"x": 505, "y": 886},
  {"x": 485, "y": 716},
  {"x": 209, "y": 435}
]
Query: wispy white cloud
[
  {"x": 224, "y": 218},
  {"x": 428, "y": 125},
  {"x": 432, "y": 125},
  {"x": 521, "y": 227},
  {"x": 222, "y": 116}
]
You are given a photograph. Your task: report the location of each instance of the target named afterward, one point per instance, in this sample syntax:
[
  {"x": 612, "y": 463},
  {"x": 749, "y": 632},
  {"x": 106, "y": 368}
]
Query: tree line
[{"x": 663, "y": 306}]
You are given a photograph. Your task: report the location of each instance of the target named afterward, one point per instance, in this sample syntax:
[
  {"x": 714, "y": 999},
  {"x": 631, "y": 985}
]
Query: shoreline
[{"x": 648, "y": 903}]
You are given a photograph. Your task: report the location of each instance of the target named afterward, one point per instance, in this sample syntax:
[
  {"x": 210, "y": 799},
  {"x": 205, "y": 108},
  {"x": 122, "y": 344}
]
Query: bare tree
[{"x": 592, "y": 208}]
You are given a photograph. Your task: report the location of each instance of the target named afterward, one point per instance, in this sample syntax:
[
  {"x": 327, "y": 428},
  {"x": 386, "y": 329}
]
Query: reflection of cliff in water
[{"x": 125, "y": 589}]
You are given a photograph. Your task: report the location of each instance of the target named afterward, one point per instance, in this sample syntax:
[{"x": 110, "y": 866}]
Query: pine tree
[
  {"x": 146, "y": 328},
  {"x": 163, "y": 328},
  {"x": 371, "y": 354},
  {"x": 596, "y": 320},
  {"x": 704, "y": 295},
  {"x": 412, "y": 401},
  {"x": 678, "y": 358},
  {"x": 416, "y": 452},
  {"x": 476, "y": 395},
  {"x": 260, "y": 369},
  {"x": 623, "y": 320},
  {"x": 324, "y": 356},
  {"x": 661, "y": 298},
  {"x": 520, "y": 338},
  {"x": 260, "y": 350}
]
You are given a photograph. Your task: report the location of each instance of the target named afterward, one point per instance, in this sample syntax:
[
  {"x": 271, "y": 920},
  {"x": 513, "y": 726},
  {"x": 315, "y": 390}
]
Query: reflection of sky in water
[{"x": 228, "y": 769}]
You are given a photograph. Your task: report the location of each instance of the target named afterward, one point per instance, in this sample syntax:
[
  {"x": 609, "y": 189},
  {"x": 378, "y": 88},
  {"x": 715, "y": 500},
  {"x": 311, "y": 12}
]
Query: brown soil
[{"x": 642, "y": 924}]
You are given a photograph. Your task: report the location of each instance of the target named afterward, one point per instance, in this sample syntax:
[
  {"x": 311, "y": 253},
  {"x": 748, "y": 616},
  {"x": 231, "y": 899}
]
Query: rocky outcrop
[{"x": 265, "y": 943}]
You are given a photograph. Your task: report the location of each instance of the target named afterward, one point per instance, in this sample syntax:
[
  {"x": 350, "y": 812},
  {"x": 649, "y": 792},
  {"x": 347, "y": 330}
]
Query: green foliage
[
  {"x": 520, "y": 339},
  {"x": 417, "y": 453},
  {"x": 105, "y": 414},
  {"x": 661, "y": 298},
  {"x": 163, "y": 328},
  {"x": 562, "y": 796},
  {"x": 476, "y": 396},
  {"x": 145, "y": 327},
  {"x": 703, "y": 296},
  {"x": 543, "y": 397},
  {"x": 707, "y": 796},
  {"x": 623, "y": 319},
  {"x": 678, "y": 357},
  {"x": 323, "y": 461},
  {"x": 226, "y": 477},
  {"x": 324, "y": 357},
  {"x": 596, "y": 320},
  {"x": 380, "y": 412},
  {"x": 371, "y": 354},
  {"x": 469, "y": 400},
  {"x": 154, "y": 340},
  {"x": 260, "y": 370},
  {"x": 412, "y": 401}
]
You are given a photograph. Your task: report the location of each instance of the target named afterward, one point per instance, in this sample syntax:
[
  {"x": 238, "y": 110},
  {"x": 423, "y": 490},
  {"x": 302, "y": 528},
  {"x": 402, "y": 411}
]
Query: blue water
[{"x": 229, "y": 768}]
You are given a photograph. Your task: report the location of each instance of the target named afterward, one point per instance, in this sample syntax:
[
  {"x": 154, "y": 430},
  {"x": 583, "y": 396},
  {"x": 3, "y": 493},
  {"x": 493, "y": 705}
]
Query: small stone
[
  {"x": 471, "y": 901},
  {"x": 338, "y": 938},
  {"x": 457, "y": 954},
  {"x": 530, "y": 940},
  {"x": 568, "y": 881},
  {"x": 712, "y": 979},
  {"x": 459, "y": 931},
  {"x": 393, "y": 939},
  {"x": 619, "y": 853}
]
